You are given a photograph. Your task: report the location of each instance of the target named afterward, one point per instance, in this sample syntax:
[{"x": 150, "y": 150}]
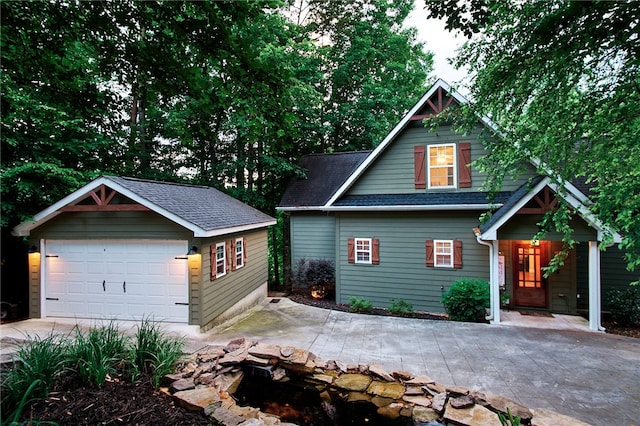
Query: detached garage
[{"x": 128, "y": 249}]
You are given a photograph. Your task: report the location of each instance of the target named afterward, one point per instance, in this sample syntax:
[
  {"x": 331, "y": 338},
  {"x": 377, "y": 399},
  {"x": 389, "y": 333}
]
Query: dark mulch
[
  {"x": 613, "y": 328},
  {"x": 118, "y": 402},
  {"x": 303, "y": 297}
]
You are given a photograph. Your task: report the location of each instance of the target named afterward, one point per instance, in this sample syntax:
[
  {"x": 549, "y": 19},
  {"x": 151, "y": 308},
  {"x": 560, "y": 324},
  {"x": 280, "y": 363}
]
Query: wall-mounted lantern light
[
  {"x": 193, "y": 250},
  {"x": 33, "y": 249}
]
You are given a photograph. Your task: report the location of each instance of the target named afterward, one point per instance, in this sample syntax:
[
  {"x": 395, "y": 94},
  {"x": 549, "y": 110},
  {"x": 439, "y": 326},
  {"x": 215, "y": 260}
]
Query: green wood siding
[
  {"x": 562, "y": 284},
  {"x": 216, "y": 296},
  {"x": 402, "y": 273},
  {"x": 312, "y": 237},
  {"x": 613, "y": 274},
  {"x": 392, "y": 172},
  {"x": 111, "y": 225},
  {"x": 525, "y": 226}
]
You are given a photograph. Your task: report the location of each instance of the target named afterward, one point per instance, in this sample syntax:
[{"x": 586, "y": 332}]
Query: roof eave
[
  {"x": 424, "y": 207},
  {"x": 201, "y": 233}
]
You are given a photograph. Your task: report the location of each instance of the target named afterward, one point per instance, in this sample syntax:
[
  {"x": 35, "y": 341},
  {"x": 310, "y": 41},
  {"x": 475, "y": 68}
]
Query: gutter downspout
[{"x": 492, "y": 281}]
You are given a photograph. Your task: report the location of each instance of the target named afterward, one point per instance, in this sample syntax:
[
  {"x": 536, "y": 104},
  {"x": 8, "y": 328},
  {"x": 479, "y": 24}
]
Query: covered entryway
[{"x": 116, "y": 279}]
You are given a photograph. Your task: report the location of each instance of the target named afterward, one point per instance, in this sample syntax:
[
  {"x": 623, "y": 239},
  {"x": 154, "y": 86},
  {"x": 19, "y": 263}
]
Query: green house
[
  {"x": 129, "y": 249},
  {"x": 402, "y": 222}
]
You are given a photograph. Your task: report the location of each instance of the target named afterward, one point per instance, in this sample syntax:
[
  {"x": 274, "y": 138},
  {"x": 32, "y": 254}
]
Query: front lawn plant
[
  {"x": 93, "y": 355},
  {"x": 467, "y": 300}
]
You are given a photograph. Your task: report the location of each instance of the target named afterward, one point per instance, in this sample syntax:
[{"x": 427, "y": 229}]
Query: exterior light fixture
[
  {"x": 33, "y": 249},
  {"x": 193, "y": 250}
]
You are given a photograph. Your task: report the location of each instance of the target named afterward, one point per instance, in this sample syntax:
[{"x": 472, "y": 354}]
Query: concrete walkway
[{"x": 594, "y": 377}]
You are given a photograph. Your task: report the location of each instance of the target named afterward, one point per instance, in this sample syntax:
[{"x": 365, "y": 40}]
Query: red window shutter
[
  {"x": 430, "y": 254},
  {"x": 457, "y": 254},
  {"x": 464, "y": 169},
  {"x": 213, "y": 267},
  {"x": 375, "y": 251},
  {"x": 351, "y": 250},
  {"x": 229, "y": 246},
  {"x": 419, "y": 167},
  {"x": 244, "y": 251}
]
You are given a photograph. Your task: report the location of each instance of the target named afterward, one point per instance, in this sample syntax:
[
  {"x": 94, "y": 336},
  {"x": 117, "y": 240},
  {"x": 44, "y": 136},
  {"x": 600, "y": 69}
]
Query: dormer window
[{"x": 441, "y": 166}]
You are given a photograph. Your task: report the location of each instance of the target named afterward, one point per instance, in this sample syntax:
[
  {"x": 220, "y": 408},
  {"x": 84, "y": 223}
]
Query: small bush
[
  {"x": 314, "y": 272},
  {"x": 624, "y": 306},
  {"x": 467, "y": 300},
  {"x": 358, "y": 305},
  {"x": 401, "y": 307}
]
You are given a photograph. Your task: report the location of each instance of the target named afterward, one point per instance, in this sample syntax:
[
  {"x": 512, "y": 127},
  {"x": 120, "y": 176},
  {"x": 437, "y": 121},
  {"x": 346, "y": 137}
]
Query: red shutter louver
[
  {"x": 228, "y": 246},
  {"x": 457, "y": 254},
  {"x": 464, "y": 168},
  {"x": 375, "y": 251},
  {"x": 430, "y": 254},
  {"x": 419, "y": 167},
  {"x": 351, "y": 250},
  {"x": 244, "y": 251}
]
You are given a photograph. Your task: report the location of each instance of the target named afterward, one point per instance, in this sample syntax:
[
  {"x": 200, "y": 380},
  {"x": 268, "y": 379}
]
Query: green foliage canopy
[{"x": 562, "y": 80}]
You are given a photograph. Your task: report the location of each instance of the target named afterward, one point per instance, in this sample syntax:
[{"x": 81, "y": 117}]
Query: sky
[{"x": 439, "y": 41}]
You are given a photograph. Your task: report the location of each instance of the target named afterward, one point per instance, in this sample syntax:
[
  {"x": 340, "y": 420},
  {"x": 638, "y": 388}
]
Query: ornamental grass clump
[
  {"x": 467, "y": 300},
  {"x": 37, "y": 364},
  {"x": 98, "y": 353},
  {"x": 153, "y": 351}
]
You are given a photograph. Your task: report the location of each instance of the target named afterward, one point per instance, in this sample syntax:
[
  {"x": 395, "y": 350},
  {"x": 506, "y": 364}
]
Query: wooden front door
[{"x": 529, "y": 286}]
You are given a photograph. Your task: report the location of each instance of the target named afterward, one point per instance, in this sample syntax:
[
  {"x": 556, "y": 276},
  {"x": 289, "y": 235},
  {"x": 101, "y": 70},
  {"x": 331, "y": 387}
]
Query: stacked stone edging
[{"x": 207, "y": 380}]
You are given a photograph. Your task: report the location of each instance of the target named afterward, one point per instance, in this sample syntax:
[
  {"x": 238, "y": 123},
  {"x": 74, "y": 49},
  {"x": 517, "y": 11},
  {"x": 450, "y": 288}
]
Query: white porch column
[
  {"x": 594, "y": 286},
  {"x": 495, "y": 282}
]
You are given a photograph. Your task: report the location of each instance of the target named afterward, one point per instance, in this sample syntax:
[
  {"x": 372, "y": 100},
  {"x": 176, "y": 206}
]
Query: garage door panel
[{"x": 154, "y": 279}]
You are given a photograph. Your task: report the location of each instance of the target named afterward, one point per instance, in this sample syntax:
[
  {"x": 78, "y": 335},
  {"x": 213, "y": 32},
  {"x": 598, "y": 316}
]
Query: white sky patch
[{"x": 440, "y": 41}]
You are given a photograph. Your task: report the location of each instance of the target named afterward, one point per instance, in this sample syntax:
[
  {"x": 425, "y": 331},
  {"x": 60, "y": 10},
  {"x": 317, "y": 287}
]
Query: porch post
[
  {"x": 594, "y": 286},
  {"x": 495, "y": 282}
]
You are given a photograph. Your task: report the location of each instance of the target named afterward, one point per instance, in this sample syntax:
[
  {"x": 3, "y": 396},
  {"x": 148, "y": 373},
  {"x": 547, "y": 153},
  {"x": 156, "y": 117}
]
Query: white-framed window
[
  {"x": 239, "y": 252},
  {"x": 441, "y": 166},
  {"x": 443, "y": 253},
  {"x": 221, "y": 260},
  {"x": 363, "y": 250}
]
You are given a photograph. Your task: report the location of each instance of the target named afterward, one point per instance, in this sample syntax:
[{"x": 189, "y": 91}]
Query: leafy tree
[
  {"x": 562, "y": 80},
  {"x": 55, "y": 125},
  {"x": 373, "y": 69}
]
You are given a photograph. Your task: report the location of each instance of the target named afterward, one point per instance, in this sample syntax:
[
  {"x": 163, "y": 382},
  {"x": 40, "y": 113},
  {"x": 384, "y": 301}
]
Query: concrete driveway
[{"x": 594, "y": 377}]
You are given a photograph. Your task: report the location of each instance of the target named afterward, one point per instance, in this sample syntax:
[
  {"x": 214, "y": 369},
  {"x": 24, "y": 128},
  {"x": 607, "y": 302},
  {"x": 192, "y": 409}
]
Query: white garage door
[{"x": 126, "y": 280}]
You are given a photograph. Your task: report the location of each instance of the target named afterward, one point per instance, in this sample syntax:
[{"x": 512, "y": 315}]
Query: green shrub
[
  {"x": 38, "y": 362},
  {"x": 401, "y": 307},
  {"x": 624, "y": 306},
  {"x": 153, "y": 351},
  {"x": 314, "y": 272},
  {"x": 358, "y": 305},
  {"x": 98, "y": 353},
  {"x": 467, "y": 300}
]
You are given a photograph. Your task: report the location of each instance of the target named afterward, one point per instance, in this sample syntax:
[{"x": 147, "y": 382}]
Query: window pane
[{"x": 441, "y": 165}]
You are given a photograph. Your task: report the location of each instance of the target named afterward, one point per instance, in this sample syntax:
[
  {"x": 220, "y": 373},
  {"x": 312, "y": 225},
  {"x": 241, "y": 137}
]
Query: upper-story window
[{"x": 441, "y": 166}]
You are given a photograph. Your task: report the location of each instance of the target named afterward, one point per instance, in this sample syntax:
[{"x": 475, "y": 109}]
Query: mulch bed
[
  {"x": 303, "y": 297},
  {"x": 118, "y": 402}
]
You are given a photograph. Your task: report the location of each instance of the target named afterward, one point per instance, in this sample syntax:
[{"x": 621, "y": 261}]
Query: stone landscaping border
[{"x": 207, "y": 380}]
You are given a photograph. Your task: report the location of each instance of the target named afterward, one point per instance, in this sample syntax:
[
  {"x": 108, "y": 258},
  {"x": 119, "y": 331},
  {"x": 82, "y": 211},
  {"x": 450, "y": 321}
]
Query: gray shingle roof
[
  {"x": 511, "y": 201},
  {"x": 325, "y": 174},
  {"x": 422, "y": 199},
  {"x": 205, "y": 207}
]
